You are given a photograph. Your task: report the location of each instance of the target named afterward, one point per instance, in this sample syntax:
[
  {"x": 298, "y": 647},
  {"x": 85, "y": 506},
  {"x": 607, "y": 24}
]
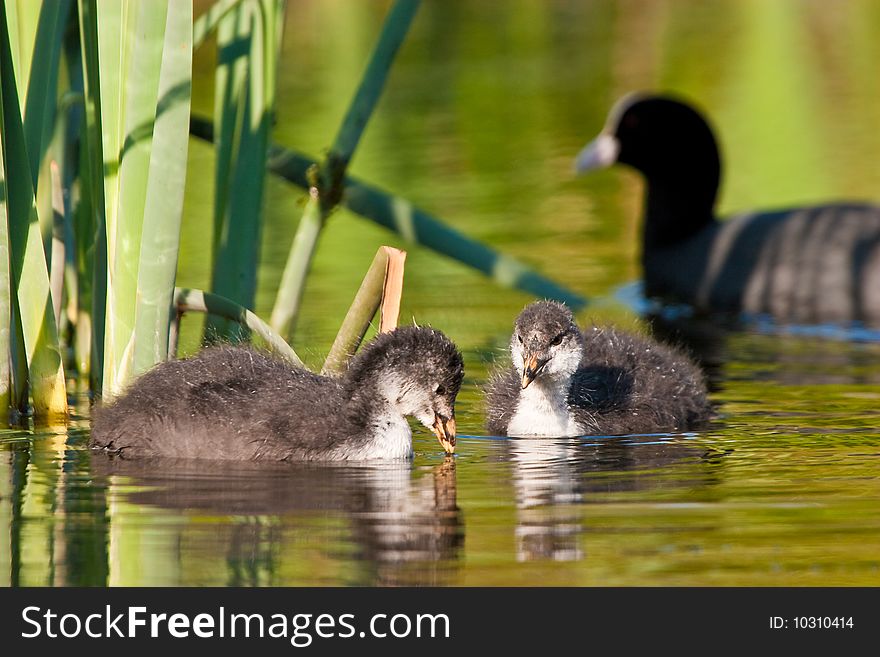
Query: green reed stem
[{"x": 327, "y": 184}]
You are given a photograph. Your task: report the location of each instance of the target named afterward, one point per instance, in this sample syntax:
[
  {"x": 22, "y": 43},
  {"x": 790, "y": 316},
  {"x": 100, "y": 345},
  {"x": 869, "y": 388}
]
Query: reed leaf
[
  {"x": 296, "y": 269},
  {"x": 30, "y": 277},
  {"x": 326, "y": 186},
  {"x": 6, "y": 373},
  {"x": 14, "y": 366},
  {"x": 208, "y": 22},
  {"x": 41, "y": 112},
  {"x": 91, "y": 225},
  {"x": 164, "y": 203},
  {"x": 130, "y": 38},
  {"x": 248, "y": 42},
  {"x": 23, "y": 18},
  {"x": 136, "y": 64},
  {"x": 62, "y": 160},
  {"x": 79, "y": 215},
  {"x": 58, "y": 260},
  {"x": 42, "y": 98}
]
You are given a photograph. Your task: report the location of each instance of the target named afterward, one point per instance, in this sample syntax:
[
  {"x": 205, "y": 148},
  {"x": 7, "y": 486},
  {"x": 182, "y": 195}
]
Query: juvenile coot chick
[
  {"x": 602, "y": 381},
  {"x": 814, "y": 264},
  {"x": 232, "y": 402}
]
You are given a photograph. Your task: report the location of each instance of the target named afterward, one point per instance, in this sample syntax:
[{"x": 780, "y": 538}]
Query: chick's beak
[
  {"x": 532, "y": 367},
  {"x": 444, "y": 428}
]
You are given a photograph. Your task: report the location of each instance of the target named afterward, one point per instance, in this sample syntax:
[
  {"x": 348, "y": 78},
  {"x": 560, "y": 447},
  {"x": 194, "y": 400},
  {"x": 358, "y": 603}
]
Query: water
[{"x": 484, "y": 110}]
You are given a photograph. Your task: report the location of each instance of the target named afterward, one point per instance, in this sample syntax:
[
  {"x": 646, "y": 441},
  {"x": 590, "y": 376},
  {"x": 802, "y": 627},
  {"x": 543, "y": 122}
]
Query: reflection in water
[
  {"x": 554, "y": 477},
  {"x": 13, "y": 469},
  {"x": 412, "y": 534},
  {"x": 403, "y": 530},
  {"x": 805, "y": 357},
  {"x": 53, "y": 520},
  {"x": 547, "y": 493}
]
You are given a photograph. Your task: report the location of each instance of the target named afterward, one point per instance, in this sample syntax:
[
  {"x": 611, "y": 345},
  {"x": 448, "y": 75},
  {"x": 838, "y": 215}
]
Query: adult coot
[{"x": 816, "y": 264}]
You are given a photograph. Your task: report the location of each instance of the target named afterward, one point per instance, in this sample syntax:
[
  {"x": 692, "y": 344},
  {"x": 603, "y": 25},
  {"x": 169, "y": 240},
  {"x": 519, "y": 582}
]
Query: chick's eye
[
  {"x": 440, "y": 390},
  {"x": 557, "y": 340},
  {"x": 519, "y": 337}
]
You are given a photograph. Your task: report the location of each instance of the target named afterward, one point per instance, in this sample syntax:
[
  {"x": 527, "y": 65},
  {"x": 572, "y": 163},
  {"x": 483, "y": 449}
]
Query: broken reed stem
[
  {"x": 382, "y": 287},
  {"x": 392, "y": 291}
]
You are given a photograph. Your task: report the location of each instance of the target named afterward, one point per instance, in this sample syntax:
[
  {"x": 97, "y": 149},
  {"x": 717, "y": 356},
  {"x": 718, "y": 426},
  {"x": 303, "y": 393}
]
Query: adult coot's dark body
[
  {"x": 813, "y": 264},
  {"x": 239, "y": 403},
  {"x": 564, "y": 382}
]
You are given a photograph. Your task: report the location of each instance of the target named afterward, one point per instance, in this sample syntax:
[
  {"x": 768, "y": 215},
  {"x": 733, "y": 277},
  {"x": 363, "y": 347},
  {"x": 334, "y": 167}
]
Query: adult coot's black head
[
  {"x": 650, "y": 132},
  {"x": 672, "y": 145}
]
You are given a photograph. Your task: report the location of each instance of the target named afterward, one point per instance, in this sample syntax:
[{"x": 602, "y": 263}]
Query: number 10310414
[{"x": 811, "y": 623}]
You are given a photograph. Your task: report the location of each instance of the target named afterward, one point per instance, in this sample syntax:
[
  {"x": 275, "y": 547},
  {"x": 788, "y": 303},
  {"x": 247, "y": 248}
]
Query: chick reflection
[
  {"x": 413, "y": 534},
  {"x": 555, "y": 477},
  {"x": 547, "y": 493},
  {"x": 386, "y": 523}
]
